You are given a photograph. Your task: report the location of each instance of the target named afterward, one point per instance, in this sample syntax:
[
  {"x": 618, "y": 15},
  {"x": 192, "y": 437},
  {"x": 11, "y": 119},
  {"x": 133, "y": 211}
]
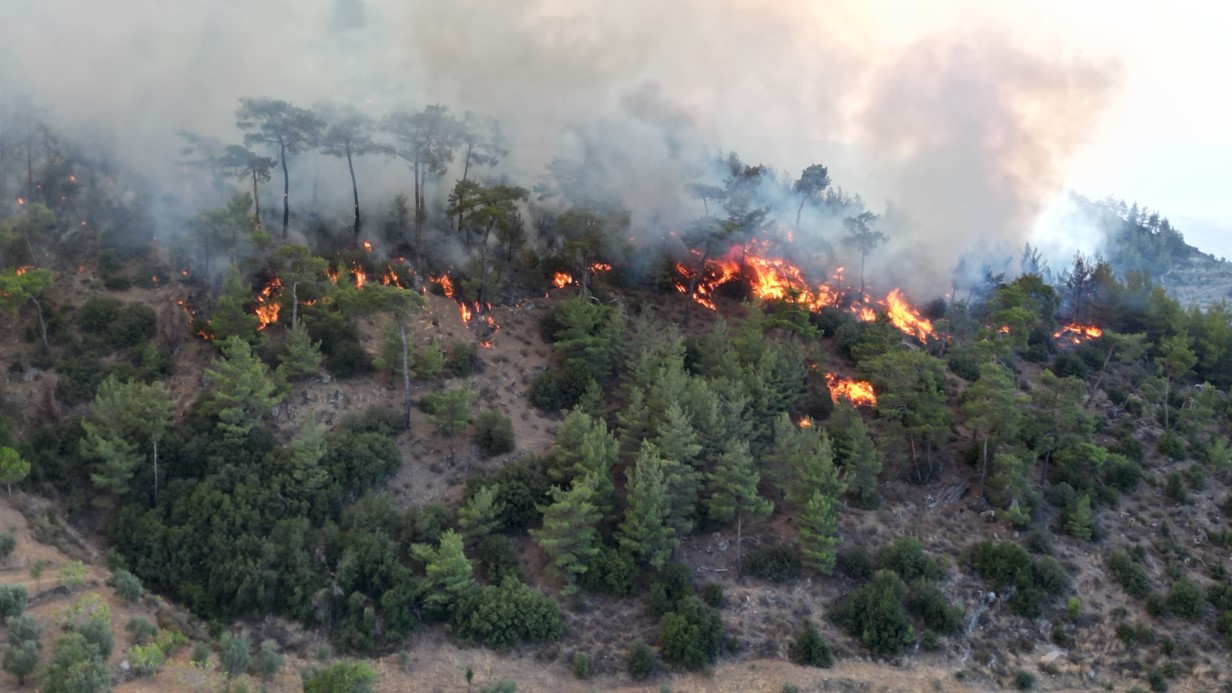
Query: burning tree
[
  {"x": 426, "y": 140},
  {"x": 812, "y": 183},
  {"x": 865, "y": 238},
  {"x": 286, "y": 129},
  {"x": 489, "y": 208}
]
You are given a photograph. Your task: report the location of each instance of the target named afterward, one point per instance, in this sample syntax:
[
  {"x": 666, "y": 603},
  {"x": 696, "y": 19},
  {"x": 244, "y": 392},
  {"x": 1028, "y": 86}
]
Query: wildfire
[
  {"x": 445, "y": 284},
  {"x": 391, "y": 278},
  {"x": 465, "y": 311},
  {"x": 1004, "y": 329},
  {"x": 23, "y": 269},
  {"x": 561, "y": 279},
  {"x": 361, "y": 277},
  {"x": 859, "y": 392},
  {"x": 1078, "y": 333},
  {"x": 486, "y": 344},
  {"x": 267, "y": 307},
  {"x": 600, "y": 267},
  {"x": 906, "y": 318},
  {"x": 864, "y": 313},
  {"x": 367, "y": 246},
  {"x": 806, "y": 422},
  {"x": 332, "y": 274},
  {"x": 21, "y": 201}
]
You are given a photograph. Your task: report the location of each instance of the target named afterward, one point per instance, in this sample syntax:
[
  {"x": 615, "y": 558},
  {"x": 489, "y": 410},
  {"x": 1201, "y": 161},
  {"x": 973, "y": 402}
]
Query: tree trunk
[
  {"x": 286, "y": 189},
  {"x": 354, "y": 189},
  {"x": 406, "y": 375},
  {"x": 1100, "y": 378},
  {"x": 419, "y": 219},
  {"x": 256, "y": 201},
  {"x": 739, "y": 541},
  {"x": 697, "y": 276},
  {"x": 155, "y": 441},
  {"x": 1167, "y": 391},
  {"x": 862, "y": 255},
  {"x": 294, "y": 305},
  {"x": 38, "y": 308},
  {"x": 483, "y": 264},
  {"x": 984, "y": 468},
  {"x": 799, "y": 210},
  {"x": 466, "y": 169}
]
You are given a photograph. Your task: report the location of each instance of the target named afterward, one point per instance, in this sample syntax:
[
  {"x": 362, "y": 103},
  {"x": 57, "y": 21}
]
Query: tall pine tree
[
  {"x": 733, "y": 492},
  {"x": 569, "y": 533},
  {"x": 646, "y": 532}
]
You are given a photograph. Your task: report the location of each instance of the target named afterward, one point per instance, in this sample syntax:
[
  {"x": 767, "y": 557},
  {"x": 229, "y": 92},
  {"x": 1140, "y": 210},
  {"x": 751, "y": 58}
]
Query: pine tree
[
  {"x": 856, "y": 452},
  {"x": 678, "y": 447},
  {"x": 448, "y": 572},
  {"x": 23, "y": 642},
  {"x": 568, "y": 533},
  {"x": 451, "y": 413},
  {"x": 301, "y": 357},
  {"x": 244, "y": 392},
  {"x": 12, "y": 468},
  {"x": 633, "y": 424},
  {"x": 733, "y": 492},
  {"x": 819, "y": 533},
  {"x": 1078, "y": 522},
  {"x": 584, "y": 447},
  {"x": 231, "y": 318},
  {"x": 813, "y": 469},
  {"x": 124, "y": 418},
  {"x": 481, "y": 515},
  {"x": 993, "y": 407},
  {"x": 646, "y": 532}
]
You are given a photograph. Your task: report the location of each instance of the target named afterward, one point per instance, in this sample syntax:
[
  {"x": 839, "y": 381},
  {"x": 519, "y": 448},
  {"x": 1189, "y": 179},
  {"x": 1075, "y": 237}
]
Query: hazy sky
[{"x": 972, "y": 116}]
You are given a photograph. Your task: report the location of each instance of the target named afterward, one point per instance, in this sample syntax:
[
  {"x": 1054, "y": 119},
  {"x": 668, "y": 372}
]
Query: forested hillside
[{"x": 518, "y": 415}]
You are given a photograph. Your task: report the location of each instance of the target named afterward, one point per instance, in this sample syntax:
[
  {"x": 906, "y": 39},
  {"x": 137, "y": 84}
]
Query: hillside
[{"x": 760, "y": 617}]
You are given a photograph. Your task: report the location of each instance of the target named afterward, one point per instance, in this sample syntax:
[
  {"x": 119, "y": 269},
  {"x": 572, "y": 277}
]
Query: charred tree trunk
[
  {"x": 466, "y": 169},
  {"x": 799, "y": 210},
  {"x": 38, "y": 309},
  {"x": 483, "y": 265},
  {"x": 256, "y": 201},
  {"x": 286, "y": 189},
  {"x": 739, "y": 542},
  {"x": 697, "y": 277},
  {"x": 419, "y": 219},
  {"x": 354, "y": 189}
]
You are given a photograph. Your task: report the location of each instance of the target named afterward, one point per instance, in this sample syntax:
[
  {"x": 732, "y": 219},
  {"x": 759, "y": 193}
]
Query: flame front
[
  {"x": 268, "y": 307},
  {"x": 445, "y": 284},
  {"x": 599, "y": 267},
  {"x": 561, "y": 279},
  {"x": 465, "y": 311},
  {"x": 1078, "y": 333},
  {"x": 906, "y": 318},
  {"x": 390, "y": 278},
  {"x": 859, "y": 392},
  {"x": 361, "y": 277}
]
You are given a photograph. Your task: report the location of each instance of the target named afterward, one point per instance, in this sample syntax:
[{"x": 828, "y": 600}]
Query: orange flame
[
  {"x": 486, "y": 344},
  {"x": 858, "y": 392},
  {"x": 864, "y": 313},
  {"x": 600, "y": 267},
  {"x": 361, "y": 277},
  {"x": 445, "y": 284},
  {"x": 906, "y": 318},
  {"x": 1004, "y": 329},
  {"x": 367, "y": 246},
  {"x": 332, "y": 274},
  {"x": 806, "y": 422},
  {"x": 268, "y": 307},
  {"x": 465, "y": 311},
  {"x": 1078, "y": 333},
  {"x": 23, "y": 269},
  {"x": 391, "y": 278},
  {"x": 21, "y": 201},
  {"x": 561, "y": 279}
]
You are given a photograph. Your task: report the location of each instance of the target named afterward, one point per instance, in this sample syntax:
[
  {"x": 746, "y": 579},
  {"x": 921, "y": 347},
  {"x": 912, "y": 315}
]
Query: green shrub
[
  {"x": 145, "y": 660},
  {"x": 640, "y": 661},
  {"x": 1027, "y": 602},
  {"x": 1156, "y": 680},
  {"x": 905, "y": 557},
  {"x": 494, "y": 433},
  {"x": 140, "y": 629},
  {"x": 508, "y": 615},
  {"x": 925, "y": 601},
  {"x": 351, "y": 677},
  {"x": 1223, "y": 626},
  {"x": 712, "y": 594},
  {"x": 612, "y": 572},
  {"x": 581, "y": 665},
  {"x": 461, "y": 359},
  {"x": 1186, "y": 599},
  {"x": 379, "y": 418},
  {"x": 520, "y": 487},
  {"x": 498, "y": 559},
  {"x": 267, "y": 662},
  {"x": 810, "y": 650},
  {"x": 690, "y": 637},
  {"x": 127, "y": 586},
  {"x": 774, "y": 563},
  {"x": 1172, "y": 445},
  {"x": 874, "y": 614},
  {"x": 1174, "y": 488},
  {"x": 8, "y": 542},
  {"x": 12, "y": 600},
  {"x": 1050, "y": 576},
  {"x": 502, "y": 686},
  {"x": 1024, "y": 680},
  {"x": 1001, "y": 564},
  {"x": 855, "y": 563},
  {"x": 673, "y": 582},
  {"x": 1157, "y": 604},
  {"x": 1128, "y": 573}
]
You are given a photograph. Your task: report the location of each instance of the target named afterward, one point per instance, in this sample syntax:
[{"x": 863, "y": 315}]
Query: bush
[
  {"x": 519, "y": 488},
  {"x": 926, "y": 602},
  {"x": 712, "y": 594},
  {"x": 461, "y": 359},
  {"x": 140, "y": 629},
  {"x": 691, "y": 636},
  {"x": 855, "y": 563},
  {"x": 1024, "y": 680},
  {"x": 508, "y": 615},
  {"x": 810, "y": 650},
  {"x": 640, "y": 661},
  {"x": 673, "y": 582},
  {"x": 268, "y": 661},
  {"x": 494, "y": 433},
  {"x": 1172, "y": 445},
  {"x": 1050, "y": 576},
  {"x": 1186, "y": 599},
  {"x": 379, "y": 418},
  {"x": 905, "y": 557},
  {"x": 612, "y": 572},
  {"x": 1174, "y": 488},
  {"x": 1157, "y": 604},
  {"x": 1223, "y": 626},
  {"x": 127, "y": 586},
  {"x": 12, "y": 600},
  {"x": 581, "y": 665},
  {"x": 1001, "y": 564},
  {"x": 498, "y": 559},
  {"x": 552, "y": 390},
  {"x": 774, "y": 563},
  {"x": 351, "y": 677},
  {"x": 874, "y": 614},
  {"x": 1128, "y": 573},
  {"x": 8, "y": 542}
]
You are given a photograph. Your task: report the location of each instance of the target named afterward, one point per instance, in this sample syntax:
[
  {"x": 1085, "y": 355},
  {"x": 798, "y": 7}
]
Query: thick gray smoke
[{"x": 967, "y": 135}]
